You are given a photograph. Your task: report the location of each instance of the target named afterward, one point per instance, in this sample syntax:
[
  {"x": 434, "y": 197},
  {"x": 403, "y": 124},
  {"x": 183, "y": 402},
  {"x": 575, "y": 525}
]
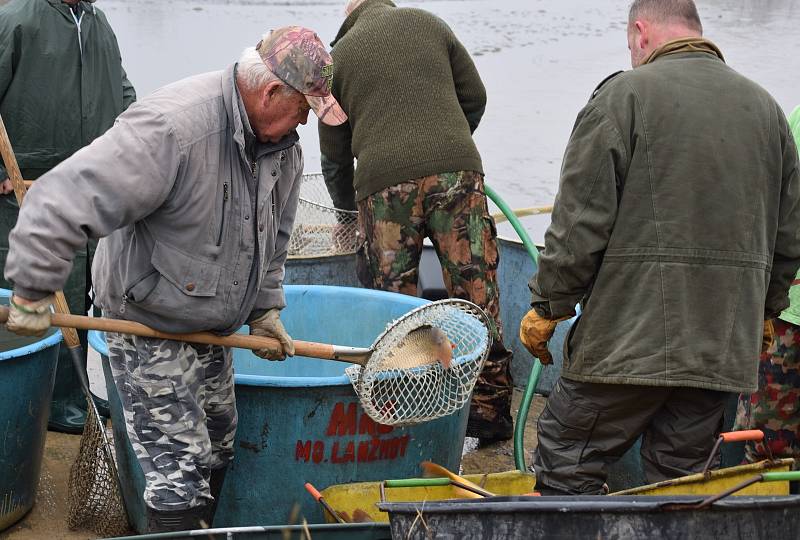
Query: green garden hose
[{"x": 536, "y": 369}]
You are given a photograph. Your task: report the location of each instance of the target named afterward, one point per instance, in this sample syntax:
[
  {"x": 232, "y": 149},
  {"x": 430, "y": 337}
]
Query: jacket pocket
[
  {"x": 181, "y": 287},
  {"x": 193, "y": 276},
  {"x": 223, "y": 214}
]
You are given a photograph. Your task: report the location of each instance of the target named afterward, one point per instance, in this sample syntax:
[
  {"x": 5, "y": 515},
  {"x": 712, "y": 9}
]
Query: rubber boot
[
  {"x": 177, "y": 520},
  {"x": 216, "y": 482}
]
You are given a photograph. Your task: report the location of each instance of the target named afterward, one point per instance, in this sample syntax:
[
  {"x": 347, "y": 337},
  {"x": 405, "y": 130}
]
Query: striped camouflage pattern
[
  {"x": 180, "y": 414},
  {"x": 451, "y": 210}
]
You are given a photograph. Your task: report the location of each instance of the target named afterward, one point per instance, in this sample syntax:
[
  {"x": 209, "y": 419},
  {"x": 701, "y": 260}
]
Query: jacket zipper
[
  {"x": 125, "y": 296},
  {"x": 222, "y": 216},
  {"x": 78, "y": 25}
]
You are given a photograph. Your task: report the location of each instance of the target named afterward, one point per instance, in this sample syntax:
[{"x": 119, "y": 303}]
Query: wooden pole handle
[
  {"x": 12, "y": 169},
  {"x": 241, "y": 341}
]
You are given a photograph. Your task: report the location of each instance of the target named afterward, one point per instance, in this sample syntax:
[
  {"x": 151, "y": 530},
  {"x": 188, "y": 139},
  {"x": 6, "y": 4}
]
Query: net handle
[{"x": 324, "y": 351}]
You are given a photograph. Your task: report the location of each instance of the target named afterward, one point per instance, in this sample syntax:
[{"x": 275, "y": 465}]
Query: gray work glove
[
  {"x": 270, "y": 325},
  {"x": 28, "y": 318}
]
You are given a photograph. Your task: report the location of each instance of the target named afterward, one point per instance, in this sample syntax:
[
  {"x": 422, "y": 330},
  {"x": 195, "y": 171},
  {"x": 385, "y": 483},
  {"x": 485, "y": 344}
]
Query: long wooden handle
[
  {"x": 242, "y": 341},
  {"x": 12, "y": 169}
]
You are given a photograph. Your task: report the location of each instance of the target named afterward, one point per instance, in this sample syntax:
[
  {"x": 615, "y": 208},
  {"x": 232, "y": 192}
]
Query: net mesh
[
  {"x": 319, "y": 228},
  {"x": 401, "y": 396},
  {"x": 94, "y": 500}
]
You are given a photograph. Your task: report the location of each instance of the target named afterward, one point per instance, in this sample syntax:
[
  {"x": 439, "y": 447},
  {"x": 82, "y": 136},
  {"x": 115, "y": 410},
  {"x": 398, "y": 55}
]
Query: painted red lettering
[
  {"x": 373, "y": 449},
  {"x": 349, "y": 453},
  {"x": 363, "y": 451},
  {"x": 302, "y": 451},
  {"x": 404, "y": 444},
  {"x": 335, "y": 453},
  {"x": 319, "y": 452},
  {"x": 342, "y": 422}
]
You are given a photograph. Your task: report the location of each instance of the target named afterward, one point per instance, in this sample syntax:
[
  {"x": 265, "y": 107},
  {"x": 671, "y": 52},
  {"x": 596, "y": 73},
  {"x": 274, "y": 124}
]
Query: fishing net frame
[
  {"x": 321, "y": 229},
  {"x": 94, "y": 499},
  {"x": 407, "y": 396}
]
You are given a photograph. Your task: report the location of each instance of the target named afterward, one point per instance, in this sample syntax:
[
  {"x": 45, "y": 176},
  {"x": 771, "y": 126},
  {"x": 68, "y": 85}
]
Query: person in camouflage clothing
[
  {"x": 775, "y": 407},
  {"x": 193, "y": 194},
  {"x": 419, "y": 172}
]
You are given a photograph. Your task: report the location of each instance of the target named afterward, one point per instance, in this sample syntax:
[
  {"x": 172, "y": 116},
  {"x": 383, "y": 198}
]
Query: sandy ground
[{"x": 47, "y": 519}]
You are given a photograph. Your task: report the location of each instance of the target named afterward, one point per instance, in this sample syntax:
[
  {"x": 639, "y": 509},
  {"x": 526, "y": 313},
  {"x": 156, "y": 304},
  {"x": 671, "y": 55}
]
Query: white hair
[
  {"x": 253, "y": 74},
  {"x": 351, "y": 6}
]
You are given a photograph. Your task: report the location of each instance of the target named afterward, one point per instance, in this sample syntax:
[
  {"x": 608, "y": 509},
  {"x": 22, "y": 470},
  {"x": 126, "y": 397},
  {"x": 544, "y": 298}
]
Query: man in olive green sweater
[
  {"x": 413, "y": 97},
  {"x": 677, "y": 228}
]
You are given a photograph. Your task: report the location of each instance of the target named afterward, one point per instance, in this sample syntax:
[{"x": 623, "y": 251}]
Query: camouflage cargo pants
[
  {"x": 775, "y": 407},
  {"x": 451, "y": 210},
  {"x": 180, "y": 414}
]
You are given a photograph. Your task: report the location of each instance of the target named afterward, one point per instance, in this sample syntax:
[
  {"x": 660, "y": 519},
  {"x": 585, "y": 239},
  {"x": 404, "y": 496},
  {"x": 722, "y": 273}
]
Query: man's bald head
[{"x": 651, "y": 23}]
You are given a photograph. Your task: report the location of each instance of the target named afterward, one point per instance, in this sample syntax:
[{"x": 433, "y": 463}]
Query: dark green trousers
[
  {"x": 68, "y": 408},
  {"x": 586, "y": 427}
]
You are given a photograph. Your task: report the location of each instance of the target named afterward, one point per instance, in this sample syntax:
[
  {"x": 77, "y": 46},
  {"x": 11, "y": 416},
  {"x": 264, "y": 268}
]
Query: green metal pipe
[
  {"x": 536, "y": 370},
  {"x": 786, "y": 476}
]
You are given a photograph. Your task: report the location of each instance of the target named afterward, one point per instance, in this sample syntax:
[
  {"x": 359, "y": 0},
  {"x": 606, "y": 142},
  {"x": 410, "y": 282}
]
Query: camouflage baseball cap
[{"x": 297, "y": 56}]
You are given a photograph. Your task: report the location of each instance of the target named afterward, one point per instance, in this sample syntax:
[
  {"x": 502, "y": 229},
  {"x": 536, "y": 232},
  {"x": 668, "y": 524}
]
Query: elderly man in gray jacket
[{"x": 194, "y": 192}]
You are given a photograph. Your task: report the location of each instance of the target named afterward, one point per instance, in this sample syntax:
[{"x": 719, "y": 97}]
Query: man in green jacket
[
  {"x": 61, "y": 85},
  {"x": 676, "y": 227},
  {"x": 414, "y": 97}
]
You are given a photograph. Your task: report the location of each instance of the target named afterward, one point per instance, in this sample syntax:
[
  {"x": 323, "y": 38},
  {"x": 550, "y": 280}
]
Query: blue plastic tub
[
  {"x": 300, "y": 421},
  {"x": 27, "y": 374}
]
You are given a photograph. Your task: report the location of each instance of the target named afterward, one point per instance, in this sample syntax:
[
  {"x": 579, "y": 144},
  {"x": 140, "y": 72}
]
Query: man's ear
[
  {"x": 270, "y": 91},
  {"x": 643, "y": 30}
]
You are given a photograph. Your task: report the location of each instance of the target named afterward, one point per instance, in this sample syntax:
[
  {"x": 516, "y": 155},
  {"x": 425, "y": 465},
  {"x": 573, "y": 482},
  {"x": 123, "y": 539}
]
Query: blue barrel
[
  {"x": 300, "y": 420},
  {"x": 27, "y": 375}
]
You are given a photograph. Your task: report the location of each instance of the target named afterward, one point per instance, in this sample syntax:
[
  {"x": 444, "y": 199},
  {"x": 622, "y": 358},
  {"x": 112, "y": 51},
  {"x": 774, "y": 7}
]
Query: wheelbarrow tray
[
  {"x": 590, "y": 518},
  {"x": 719, "y": 481},
  {"x": 357, "y": 501}
]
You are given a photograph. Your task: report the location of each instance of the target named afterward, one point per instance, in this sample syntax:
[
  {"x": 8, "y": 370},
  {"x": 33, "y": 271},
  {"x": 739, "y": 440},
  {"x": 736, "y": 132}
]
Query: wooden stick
[
  {"x": 522, "y": 212},
  {"x": 242, "y": 341},
  {"x": 12, "y": 169}
]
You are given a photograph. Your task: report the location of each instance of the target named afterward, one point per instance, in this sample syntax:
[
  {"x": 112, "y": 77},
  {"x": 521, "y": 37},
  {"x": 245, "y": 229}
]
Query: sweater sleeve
[
  {"x": 583, "y": 214},
  {"x": 469, "y": 86},
  {"x": 337, "y": 164},
  {"x": 786, "y": 256},
  {"x": 121, "y": 177}
]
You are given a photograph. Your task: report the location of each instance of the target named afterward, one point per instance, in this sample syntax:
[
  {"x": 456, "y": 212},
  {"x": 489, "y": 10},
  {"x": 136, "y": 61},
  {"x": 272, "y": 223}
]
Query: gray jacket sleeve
[
  {"x": 120, "y": 178},
  {"x": 583, "y": 214},
  {"x": 271, "y": 293},
  {"x": 786, "y": 256}
]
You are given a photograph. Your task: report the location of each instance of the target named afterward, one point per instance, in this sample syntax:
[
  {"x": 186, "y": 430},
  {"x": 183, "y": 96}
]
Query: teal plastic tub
[
  {"x": 27, "y": 374},
  {"x": 300, "y": 420}
]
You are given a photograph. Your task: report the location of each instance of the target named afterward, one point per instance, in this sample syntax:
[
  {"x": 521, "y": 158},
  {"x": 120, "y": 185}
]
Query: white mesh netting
[
  {"x": 319, "y": 228},
  {"x": 395, "y": 396}
]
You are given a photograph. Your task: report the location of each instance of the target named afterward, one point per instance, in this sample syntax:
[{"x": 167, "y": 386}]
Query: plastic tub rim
[{"x": 278, "y": 381}]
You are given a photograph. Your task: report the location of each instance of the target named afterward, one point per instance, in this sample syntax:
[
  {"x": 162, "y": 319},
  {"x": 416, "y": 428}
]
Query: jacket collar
[
  {"x": 367, "y": 6},
  {"x": 230, "y": 97},
  {"x": 61, "y": 7},
  {"x": 682, "y": 45}
]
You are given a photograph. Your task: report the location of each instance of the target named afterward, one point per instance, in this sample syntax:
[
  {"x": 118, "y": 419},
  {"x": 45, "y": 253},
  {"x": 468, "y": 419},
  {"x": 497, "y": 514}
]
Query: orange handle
[
  {"x": 314, "y": 493},
  {"x": 747, "y": 435}
]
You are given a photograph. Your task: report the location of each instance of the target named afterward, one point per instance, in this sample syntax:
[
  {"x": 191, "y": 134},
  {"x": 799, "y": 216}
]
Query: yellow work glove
[
  {"x": 535, "y": 331},
  {"x": 28, "y": 318},
  {"x": 270, "y": 325},
  {"x": 768, "y": 337}
]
